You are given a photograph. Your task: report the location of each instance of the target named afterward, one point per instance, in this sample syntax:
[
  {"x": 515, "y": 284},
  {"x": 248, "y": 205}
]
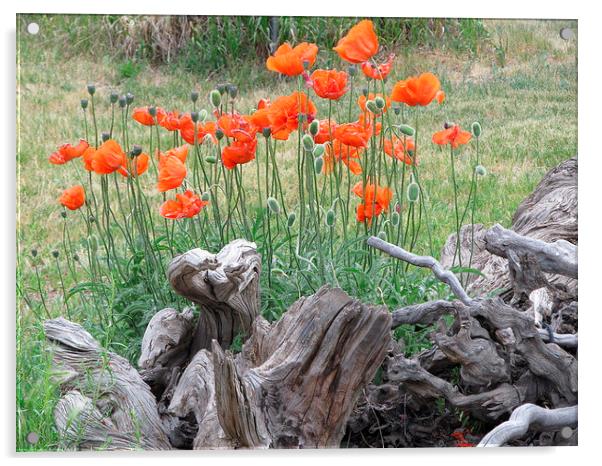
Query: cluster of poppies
[{"x": 343, "y": 142}]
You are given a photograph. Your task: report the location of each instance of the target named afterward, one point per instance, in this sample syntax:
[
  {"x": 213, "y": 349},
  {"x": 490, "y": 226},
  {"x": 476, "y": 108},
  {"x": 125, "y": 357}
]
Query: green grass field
[{"x": 521, "y": 85}]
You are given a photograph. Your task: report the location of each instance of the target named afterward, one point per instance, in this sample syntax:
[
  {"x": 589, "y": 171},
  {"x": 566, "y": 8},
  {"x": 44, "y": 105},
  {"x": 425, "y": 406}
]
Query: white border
[{"x": 590, "y": 197}]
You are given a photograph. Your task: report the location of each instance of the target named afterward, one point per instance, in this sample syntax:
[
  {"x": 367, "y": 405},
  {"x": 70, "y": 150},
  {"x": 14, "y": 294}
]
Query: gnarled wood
[{"x": 226, "y": 288}]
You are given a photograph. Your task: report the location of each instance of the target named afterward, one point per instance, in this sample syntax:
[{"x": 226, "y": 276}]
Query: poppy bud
[
  {"x": 407, "y": 130},
  {"x": 84, "y": 103},
  {"x": 273, "y": 205},
  {"x": 308, "y": 142},
  {"x": 215, "y": 98},
  {"x": 136, "y": 150},
  {"x": 318, "y": 150},
  {"x": 318, "y": 164},
  {"x": 413, "y": 191},
  {"x": 194, "y": 96},
  {"x": 105, "y": 136},
  {"x": 203, "y": 115},
  {"x": 352, "y": 70},
  {"x": 152, "y": 111},
  {"x": 480, "y": 170},
  {"x": 122, "y": 101},
  {"x": 233, "y": 91},
  {"x": 129, "y": 98},
  {"x": 211, "y": 159},
  {"x": 380, "y": 102},
  {"x": 91, "y": 89},
  {"x": 372, "y": 107},
  {"x": 395, "y": 219},
  {"x": 291, "y": 219},
  {"x": 206, "y": 196},
  {"x": 301, "y": 117},
  {"x": 64, "y": 214},
  {"x": 194, "y": 116},
  {"x": 314, "y": 127},
  {"x": 448, "y": 124},
  {"x": 113, "y": 97},
  {"x": 476, "y": 129},
  {"x": 365, "y": 91},
  {"x": 55, "y": 254},
  {"x": 382, "y": 235},
  {"x": 266, "y": 132},
  {"x": 34, "y": 252},
  {"x": 330, "y": 218},
  {"x": 219, "y": 134},
  {"x": 75, "y": 257},
  {"x": 91, "y": 219}
]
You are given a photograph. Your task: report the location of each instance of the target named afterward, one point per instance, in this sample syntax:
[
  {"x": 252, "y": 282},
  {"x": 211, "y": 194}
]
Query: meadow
[{"x": 519, "y": 82}]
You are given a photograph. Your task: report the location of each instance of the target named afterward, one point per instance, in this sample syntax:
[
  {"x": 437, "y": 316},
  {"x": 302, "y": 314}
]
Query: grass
[{"x": 521, "y": 84}]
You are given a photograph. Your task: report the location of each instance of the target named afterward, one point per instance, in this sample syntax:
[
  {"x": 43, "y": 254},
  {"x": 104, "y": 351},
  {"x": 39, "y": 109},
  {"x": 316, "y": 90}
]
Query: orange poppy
[
  {"x": 395, "y": 147},
  {"x": 172, "y": 172},
  {"x": 170, "y": 121},
  {"x": 366, "y": 120},
  {"x": 349, "y": 155},
  {"x": 263, "y": 103},
  {"x": 289, "y": 61},
  {"x": 179, "y": 152},
  {"x": 143, "y": 116},
  {"x": 360, "y": 44},
  {"x": 329, "y": 84},
  {"x": 453, "y": 135},
  {"x": 73, "y": 198},
  {"x": 419, "y": 90},
  {"x": 108, "y": 158},
  {"x": 284, "y": 112},
  {"x": 88, "y": 158},
  {"x": 352, "y": 134},
  {"x": 68, "y": 152},
  {"x": 238, "y": 153},
  {"x": 362, "y": 99},
  {"x": 202, "y": 130},
  {"x": 237, "y": 126},
  {"x": 376, "y": 200},
  {"x": 379, "y": 72},
  {"x": 260, "y": 118},
  {"x": 326, "y": 131},
  {"x": 185, "y": 205},
  {"x": 138, "y": 169}
]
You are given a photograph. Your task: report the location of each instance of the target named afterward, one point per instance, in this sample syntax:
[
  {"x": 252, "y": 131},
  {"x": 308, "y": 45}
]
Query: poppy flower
[
  {"x": 185, "y": 205},
  {"x": 138, "y": 169},
  {"x": 238, "y": 153},
  {"x": 68, "y": 152},
  {"x": 337, "y": 151},
  {"x": 73, "y": 198},
  {"x": 326, "y": 132},
  {"x": 284, "y": 112},
  {"x": 375, "y": 201},
  {"x": 419, "y": 90},
  {"x": 395, "y": 148},
  {"x": 263, "y": 103},
  {"x": 367, "y": 121},
  {"x": 170, "y": 121},
  {"x": 143, "y": 116},
  {"x": 329, "y": 84},
  {"x": 453, "y": 135},
  {"x": 179, "y": 152},
  {"x": 289, "y": 61},
  {"x": 260, "y": 118},
  {"x": 172, "y": 172},
  {"x": 109, "y": 157},
  {"x": 88, "y": 157},
  {"x": 362, "y": 99},
  {"x": 360, "y": 44},
  {"x": 352, "y": 134},
  {"x": 379, "y": 72},
  {"x": 202, "y": 130},
  {"x": 237, "y": 126}
]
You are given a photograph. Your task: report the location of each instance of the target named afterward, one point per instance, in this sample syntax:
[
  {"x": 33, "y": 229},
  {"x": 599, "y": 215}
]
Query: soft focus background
[{"x": 518, "y": 78}]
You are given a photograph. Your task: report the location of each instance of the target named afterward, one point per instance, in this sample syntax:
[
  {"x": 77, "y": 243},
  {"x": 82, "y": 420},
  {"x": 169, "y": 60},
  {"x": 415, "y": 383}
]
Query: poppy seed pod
[
  {"x": 206, "y": 196},
  {"x": 291, "y": 219},
  {"x": 396, "y": 110},
  {"x": 221, "y": 88},
  {"x": 352, "y": 70},
  {"x": 84, "y": 103},
  {"x": 203, "y": 115},
  {"x": 314, "y": 127},
  {"x": 152, "y": 111},
  {"x": 136, "y": 150},
  {"x": 211, "y": 159},
  {"x": 273, "y": 205},
  {"x": 129, "y": 98},
  {"x": 194, "y": 96},
  {"x": 34, "y": 252},
  {"x": 75, "y": 257},
  {"x": 308, "y": 142},
  {"x": 330, "y": 218},
  {"x": 105, "y": 136},
  {"x": 266, "y": 132},
  {"x": 233, "y": 91},
  {"x": 380, "y": 102},
  {"x": 55, "y": 254},
  {"x": 480, "y": 170},
  {"x": 318, "y": 164},
  {"x": 194, "y": 116},
  {"x": 64, "y": 214},
  {"x": 91, "y": 89},
  {"x": 365, "y": 91},
  {"x": 215, "y": 98},
  {"x": 122, "y": 101},
  {"x": 406, "y": 130},
  {"x": 113, "y": 97},
  {"x": 395, "y": 219},
  {"x": 476, "y": 129},
  {"x": 382, "y": 235},
  {"x": 319, "y": 150},
  {"x": 413, "y": 191},
  {"x": 372, "y": 107},
  {"x": 219, "y": 134},
  {"x": 448, "y": 124},
  {"x": 91, "y": 219}
]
